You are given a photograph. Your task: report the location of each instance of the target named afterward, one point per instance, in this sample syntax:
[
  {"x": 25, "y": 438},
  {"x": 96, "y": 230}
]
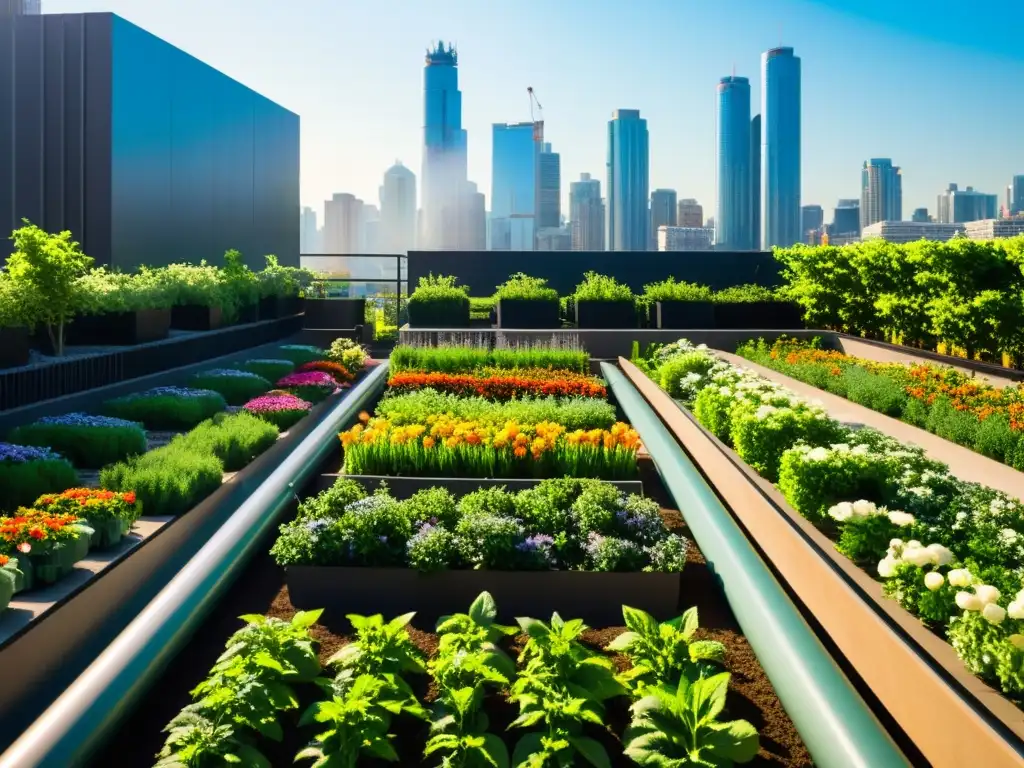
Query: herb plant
[
  {"x": 597, "y": 287},
  {"x": 523, "y": 287}
]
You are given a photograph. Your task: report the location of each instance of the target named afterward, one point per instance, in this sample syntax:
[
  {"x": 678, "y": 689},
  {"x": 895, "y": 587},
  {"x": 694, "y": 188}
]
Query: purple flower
[
  {"x": 88, "y": 420},
  {"x": 308, "y": 379},
  {"x": 173, "y": 392},
  {"x": 229, "y": 373},
  {"x": 315, "y": 526},
  {"x": 538, "y": 550},
  {"x": 276, "y": 403},
  {"x": 19, "y": 454}
]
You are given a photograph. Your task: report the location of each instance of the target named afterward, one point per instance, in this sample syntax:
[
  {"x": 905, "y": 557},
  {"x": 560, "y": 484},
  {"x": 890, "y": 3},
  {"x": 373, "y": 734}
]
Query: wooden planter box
[
  {"x": 273, "y": 307},
  {"x": 250, "y": 313},
  {"x": 193, "y": 317},
  {"x": 334, "y": 314},
  {"x": 14, "y": 347},
  {"x": 606, "y": 314},
  {"x": 759, "y": 315},
  {"x": 527, "y": 313},
  {"x": 438, "y": 314},
  {"x": 119, "y": 328},
  {"x": 596, "y": 598},
  {"x": 691, "y": 315}
]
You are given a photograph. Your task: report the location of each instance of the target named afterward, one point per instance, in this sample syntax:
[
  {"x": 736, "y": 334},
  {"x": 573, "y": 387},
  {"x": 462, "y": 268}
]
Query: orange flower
[
  {"x": 364, "y": 416},
  {"x": 429, "y": 442},
  {"x": 520, "y": 451}
]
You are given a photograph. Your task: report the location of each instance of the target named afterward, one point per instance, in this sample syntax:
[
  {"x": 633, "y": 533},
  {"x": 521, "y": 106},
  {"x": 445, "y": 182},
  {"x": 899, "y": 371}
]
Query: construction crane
[{"x": 536, "y": 115}]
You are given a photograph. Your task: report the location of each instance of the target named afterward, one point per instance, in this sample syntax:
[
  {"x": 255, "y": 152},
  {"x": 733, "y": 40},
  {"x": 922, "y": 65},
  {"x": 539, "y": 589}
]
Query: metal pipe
[
  {"x": 77, "y": 723},
  {"x": 838, "y": 728}
]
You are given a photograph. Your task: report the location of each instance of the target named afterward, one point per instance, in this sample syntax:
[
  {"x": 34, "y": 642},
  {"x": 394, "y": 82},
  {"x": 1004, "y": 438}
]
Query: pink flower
[
  {"x": 308, "y": 379},
  {"x": 273, "y": 403}
]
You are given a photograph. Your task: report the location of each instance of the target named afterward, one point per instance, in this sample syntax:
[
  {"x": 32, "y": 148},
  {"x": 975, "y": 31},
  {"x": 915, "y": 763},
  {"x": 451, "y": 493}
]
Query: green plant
[
  {"x": 201, "y": 285},
  {"x": 101, "y": 291},
  {"x": 275, "y": 280},
  {"x": 86, "y": 441},
  {"x": 678, "y": 374},
  {"x": 670, "y": 290},
  {"x": 240, "y": 281},
  {"x": 167, "y": 408},
  {"x": 523, "y": 287},
  {"x": 235, "y": 439},
  {"x": 43, "y": 270},
  {"x": 875, "y": 391},
  {"x": 271, "y": 370},
  {"x": 12, "y": 309},
  {"x": 300, "y": 354},
  {"x": 349, "y": 353},
  {"x": 380, "y": 648},
  {"x": 762, "y": 433},
  {"x": 460, "y": 359},
  {"x": 437, "y": 299},
  {"x": 677, "y": 725},
  {"x": 27, "y": 472},
  {"x": 331, "y": 503},
  {"x": 236, "y": 386},
  {"x": 168, "y": 480},
  {"x": 745, "y": 294},
  {"x": 597, "y": 287},
  {"x": 459, "y": 734}
]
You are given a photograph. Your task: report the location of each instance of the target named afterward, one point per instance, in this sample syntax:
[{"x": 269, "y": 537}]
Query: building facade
[
  {"x": 734, "y": 230},
  {"x": 628, "y": 181},
  {"x": 845, "y": 219},
  {"x": 881, "y": 192},
  {"x": 755, "y": 182},
  {"x": 145, "y": 153},
  {"x": 20, "y": 8},
  {"x": 309, "y": 235},
  {"x": 920, "y": 215},
  {"x": 663, "y": 212},
  {"x": 686, "y": 239},
  {"x": 549, "y": 191},
  {"x": 343, "y": 225},
  {"x": 991, "y": 229},
  {"x": 689, "y": 213},
  {"x": 910, "y": 231},
  {"x": 812, "y": 218},
  {"x": 780, "y": 148},
  {"x": 398, "y": 210},
  {"x": 474, "y": 223},
  {"x": 554, "y": 239},
  {"x": 957, "y": 205},
  {"x": 1015, "y": 195},
  {"x": 514, "y": 187},
  {"x": 586, "y": 214}
]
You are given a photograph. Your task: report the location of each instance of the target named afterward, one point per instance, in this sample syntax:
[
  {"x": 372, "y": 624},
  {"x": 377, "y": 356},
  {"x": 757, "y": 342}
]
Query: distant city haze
[{"x": 931, "y": 85}]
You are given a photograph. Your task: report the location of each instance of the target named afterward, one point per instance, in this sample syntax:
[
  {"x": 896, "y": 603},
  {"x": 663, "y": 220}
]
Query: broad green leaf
[
  {"x": 690, "y": 622},
  {"x": 401, "y": 621},
  {"x": 483, "y": 610},
  {"x": 707, "y": 650},
  {"x": 622, "y": 642},
  {"x": 527, "y": 719},
  {"x": 639, "y": 621},
  {"x": 591, "y": 750},
  {"x": 534, "y": 628},
  {"x": 495, "y": 750},
  {"x": 306, "y": 619},
  {"x": 526, "y": 746},
  {"x": 736, "y": 741},
  {"x": 441, "y": 741}
]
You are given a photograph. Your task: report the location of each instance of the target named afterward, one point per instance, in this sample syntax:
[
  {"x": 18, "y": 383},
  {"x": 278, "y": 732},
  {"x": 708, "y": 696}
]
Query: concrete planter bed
[
  {"x": 193, "y": 317},
  {"x": 684, "y": 314},
  {"x": 756, "y": 314},
  {"x": 605, "y": 314},
  {"x": 527, "y": 313},
  {"x": 120, "y": 328},
  {"x": 273, "y": 307}
]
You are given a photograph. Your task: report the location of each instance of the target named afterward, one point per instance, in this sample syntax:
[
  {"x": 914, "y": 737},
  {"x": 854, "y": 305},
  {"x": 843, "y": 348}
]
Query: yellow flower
[{"x": 428, "y": 442}]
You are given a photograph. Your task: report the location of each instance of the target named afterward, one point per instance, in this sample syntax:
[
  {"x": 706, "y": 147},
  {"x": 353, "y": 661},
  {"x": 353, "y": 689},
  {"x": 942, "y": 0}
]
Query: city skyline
[{"x": 353, "y": 128}]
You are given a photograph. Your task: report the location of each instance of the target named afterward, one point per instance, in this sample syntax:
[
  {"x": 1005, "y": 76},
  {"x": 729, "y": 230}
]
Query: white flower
[
  {"x": 987, "y": 594},
  {"x": 1018, "y": 641},
  {"x": 894, "y": 543},
  {"x": 913, "y": 543},
  {"x": 902, "y": 519},
  {"x": 764, "y": 411},
  {"x": 933, "y": 580},
  {"x": 994, "y": 613},
  {"x": 965, "y": 601},
  {"x": 1008, "y": 535},
  {"x": 940, "y": 554},
  {"x": 817, "y": 454},
  {"x": 1015, "y": 610},
  {"x": 842, "y": 511},
  {"x": 860, "y": 450},
  {"x": 919, "y": 556},
  {"x": 886, "y": 567},
  {"x": 863, "y": 508},
  {"x": 959, "y": 577}
]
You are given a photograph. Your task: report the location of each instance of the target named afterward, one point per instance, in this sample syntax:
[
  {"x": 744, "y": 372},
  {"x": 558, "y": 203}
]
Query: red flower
[{"x": 37, "y": 533}]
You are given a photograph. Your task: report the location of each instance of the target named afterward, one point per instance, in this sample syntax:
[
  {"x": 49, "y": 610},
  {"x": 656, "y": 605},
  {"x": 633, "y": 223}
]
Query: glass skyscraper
[
  {"x": 881, "y": 192},
  {"x": 514, "y": 158},
  {"x": 628, "y": 181},
  {"x": 780, "y": 148},
  {"x": 755, "y": 182},
  {"x": 733, "y": 219}
]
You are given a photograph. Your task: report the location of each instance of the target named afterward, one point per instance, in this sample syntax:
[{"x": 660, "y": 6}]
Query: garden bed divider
[
  {"x": 835, "y": 723},
  {"x": 404, "y": 487},
  {"x": 88, "y": 711}
]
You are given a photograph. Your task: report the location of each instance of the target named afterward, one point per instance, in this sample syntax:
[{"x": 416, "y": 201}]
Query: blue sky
[{"x": 933, "y": 85}]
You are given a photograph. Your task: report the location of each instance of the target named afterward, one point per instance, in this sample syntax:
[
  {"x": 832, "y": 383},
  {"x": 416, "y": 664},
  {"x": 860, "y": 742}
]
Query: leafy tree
[{"x": 43, "y": 269}]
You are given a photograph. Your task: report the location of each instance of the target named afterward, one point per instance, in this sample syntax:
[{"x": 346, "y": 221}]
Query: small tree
[{"x": 43, "y": 269}]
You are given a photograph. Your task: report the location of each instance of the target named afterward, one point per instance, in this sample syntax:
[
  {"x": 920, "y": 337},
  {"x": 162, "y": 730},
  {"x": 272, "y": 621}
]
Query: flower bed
[
  {"x": 108, "y": 513},
  {"x": 501, "y": 385},
  {"x": 47, "y": 545},
  {"x": 353, "y": 357},
  {"x": 459, "y": 359},
  {"x": 234, "y": 385},
  {"x": 283, "y": 410},
  {"x": 26, "y": 472},
  {"x": 86, "y": 440},
  {"x": 167, "y": 408},
  {"x": 336, "y": 371},
  {"x": 945, "y": 401},
  {"x": 269, "y": 368},
  {"x": 312, "y": 386},
  {"x": 302, "y": 353},
  {"x": 949, "y": 551}
]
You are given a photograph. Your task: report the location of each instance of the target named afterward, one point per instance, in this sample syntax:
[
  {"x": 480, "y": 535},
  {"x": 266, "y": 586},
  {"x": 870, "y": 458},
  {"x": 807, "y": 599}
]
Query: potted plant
[
  {"x": 110, "y": 514},
  {"x": 603, "y": 302},
  {"x": 47, "y": 545},
  {"x": 44, "y": 270},
  {"x": 12, "y": 579},
  {"x": 242, "y": 285},
  {"x": 527, "y": 302},
  {"x": 438, "y": 302},
  {"x": 680, "y": 304},
  {"x": 754, "y": 306},
  {"x": 278, "y": 289},
  {"x": 201, "y": 299},
  {"x": 14, "y": 333},
  {"x": 120, "y": 309}
]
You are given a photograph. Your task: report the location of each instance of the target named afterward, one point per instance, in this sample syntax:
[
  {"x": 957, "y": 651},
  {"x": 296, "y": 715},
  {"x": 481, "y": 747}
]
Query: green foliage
[
  {"x": 438, "y": 300},
  {"x": 168, "y": 480},
  {"x": 12, "y": 309},
  {"x": 762, "y": 433},
  {"x": 275, "y": 280},
  {"x": 523, "y": 287},
  {"x": 21, "y": 483},
  {"x": 101, "y": 291},
  {"x": 300, "y": 354},
  {"x": 87, "y": 447},
  {"x": 271, "y": 370},
  {"x": 480, "y": 307},
  {"x": 439, "y": 288},
  {"x": 349, "y": 353},
  {"x": 164, "y": 409},
  {"x": 670, "y": 290},
  {"x": 461, "y": 359},
  {"x": 947, "y": 422},
  {"x": 201, "y": 285},
  {"x": 745, "y": 294},
  {"x": 875, "y": 391},
  {"x": 235, "y": 439},
  {"x": 236, "y": 390},
  {"x": 380, "y": 648},
  {"x": 240, "y": 281},
  {"x": 676, "y": 374},
  {"x": 597, "y": 287}
]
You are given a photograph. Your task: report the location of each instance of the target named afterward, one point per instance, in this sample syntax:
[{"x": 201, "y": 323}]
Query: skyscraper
[
  {"x": 514, "y": 159},
  {"x": 846, "y": 218},
  {"x": 20, "y": 8},
  {"x": 689, "y": 213},
  {"x": 444, "y": 151},
  {"x": 549, "y": 194},
  {"x": 308, "y": 233},
  {"x": 811, "y": 219},
  {"x": 370, "y": 234},
  {"x": 628, "y": 181},
  {"x": 881, "y": 192},
  {"x": 474, "y": 224},
  {"x": 780, "y": 148},
  {"x": 398, "y": 210},
  {"x": 957, "y": 205},
  {"x": 663, "y": 212},
  {"x": 920, "y": 216},
  {"x": 586, "y": 214},
  {"x": 343, "y": 224},
  {"x": 734, "y": 231},
  {"x": 1015, "y": 195},
  {"x": 755, "y": 181}
]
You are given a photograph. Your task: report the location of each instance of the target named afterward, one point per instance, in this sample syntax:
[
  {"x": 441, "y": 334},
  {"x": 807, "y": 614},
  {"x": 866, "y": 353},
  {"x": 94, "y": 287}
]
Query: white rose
[
  {"x": 933, "y": 580},
  {"x": 959, "y": 577},
  {"x": 994, "y": 613},
  {"x": 942, "y": 555},
  {"x": 863, "y": 508},
  {"x": 965, "y": 601},
  {"x": 841, "y": 512},
  {"x": 1018, "y": 641},
  {"x": 886, "y": 567},
  {"x": 987, "y": 594},
  {"x": 902, "y": 519},
  {"x": 1015, "y": 610}
]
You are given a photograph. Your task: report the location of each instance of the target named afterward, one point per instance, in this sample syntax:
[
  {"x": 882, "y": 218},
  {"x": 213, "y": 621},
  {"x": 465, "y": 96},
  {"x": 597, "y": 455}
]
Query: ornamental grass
[
  {"x": 451, "y": 447},
  {"x": 460, "y": 359},
  {"x": 87, "y": 441},
  {"x": 167, "y": 408},
  {"x": 495, "y": 384}
]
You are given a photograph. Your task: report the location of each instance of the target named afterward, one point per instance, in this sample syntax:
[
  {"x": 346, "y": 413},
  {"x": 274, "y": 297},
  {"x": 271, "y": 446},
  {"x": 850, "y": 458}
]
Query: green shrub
[
  {"x": 713, "y": 410},
  {"x": 347, "y": 352},
  {"x": 236, "y": 439},
  {"x": 438, "y": 300},
  {"x": 460, "y": 359},
  {"x": 269, "y": 369},
  {"x": 523, "y": 287},
  {"x": 480, "y": 307},
  {"x": 27, "y": 472},
  {"x": 331, "y": 503},
  {"x": 597, "y": 287},
  {"x": 670, "y": 290},
  {"x": 915, "y": 412},
  {"x": 745, "y": 294},
  {"x": 996, "y": 440},
  {"x": 240, "y": 282},
  {"x": 676, "y": 374},
  {"x": 299, "y": 354},
  {"x": 167, "y": 408},
  {"x": 275, "y": 280},
  {"x": 101, "y": 291},
  {"x": 87, "y": 441},
  {"x": 200, "y": 285},
  {"x": 875, "y": 391},
  {"x": 236, "y": 386},
  {"x": 168, "y": 481},
  {"x": 947, "y": 422},
  {"x": 762, "y": 433}
]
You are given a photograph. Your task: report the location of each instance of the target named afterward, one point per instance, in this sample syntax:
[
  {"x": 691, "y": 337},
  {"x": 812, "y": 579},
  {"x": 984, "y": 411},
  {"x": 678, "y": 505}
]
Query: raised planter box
[
  {"x": 404, "y": 487},
  {"x": 696, "y": 315},
  {"x": 273, "y": 307},
  {"x": 596, "y": 598},
  {"x": 334, "y": 313},
  {"x": 192, "y": 317},
  {"x": 250, "y": 313},
  {"x": 53, "y": 566},
  {"x": 438, "y": 314},
  {"x": 119, "y": 328},
  {"x": 14, "y": 347},
  {"x": 606, "y": 314},
  {"x": 527, "y": 313},
  {"x": 768, "y": 315},
  {"x": 107, "y": 533}
]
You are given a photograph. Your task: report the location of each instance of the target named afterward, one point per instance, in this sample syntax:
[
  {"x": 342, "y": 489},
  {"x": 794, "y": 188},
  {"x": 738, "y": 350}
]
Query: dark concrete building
[{"x": 146, "y": 154}]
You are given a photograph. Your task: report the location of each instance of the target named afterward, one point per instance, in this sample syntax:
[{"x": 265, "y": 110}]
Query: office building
[
  {"x": 343, "y": 225},
  {"x": 549, "y": 193},
  {"x": 371, "y": 234},
  {"x": 309, "y": 235},
  {"x": 398, "y": 210},
  {"x": 20, "y": 8},
  {"x": 628, "y": 181},
  {"x": 910, "y": 231},
  {"x": 755, "y": 182},
  {"x": 444, "y": 152},
  {"x": 881, "y": 192},
  {"x": 920, "y": 215},
  {"x": 812, "y": 218},
  {"x": 474, "y": 223},
  {"x": 734, "y": 231},
  {"x": 957, "y": 205},
  {"x": 586, "y": 214},
  {"x": 554, "y": 239},
  {"x": 845, "y": 219},
  {"x": 663, "y": 212},
  {"x": 141, "y": 151},
  {"x": 686, "y": 239},
  {"x": 780, "y": 148},
  {"x": 990, "y": 229},
  {"x": 1015, "y": 195},
  {"x": 689, "y": 213},
  {"x": 514, "y": 159}
]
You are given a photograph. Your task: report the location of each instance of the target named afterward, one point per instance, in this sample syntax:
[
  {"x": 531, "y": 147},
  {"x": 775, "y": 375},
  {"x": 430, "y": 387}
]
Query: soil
[{"x": 260, "y": 590}]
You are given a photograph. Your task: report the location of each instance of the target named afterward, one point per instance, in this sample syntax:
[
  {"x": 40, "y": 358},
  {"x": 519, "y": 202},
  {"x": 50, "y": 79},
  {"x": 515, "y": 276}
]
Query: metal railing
[{"x": 379, "y": 278}]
